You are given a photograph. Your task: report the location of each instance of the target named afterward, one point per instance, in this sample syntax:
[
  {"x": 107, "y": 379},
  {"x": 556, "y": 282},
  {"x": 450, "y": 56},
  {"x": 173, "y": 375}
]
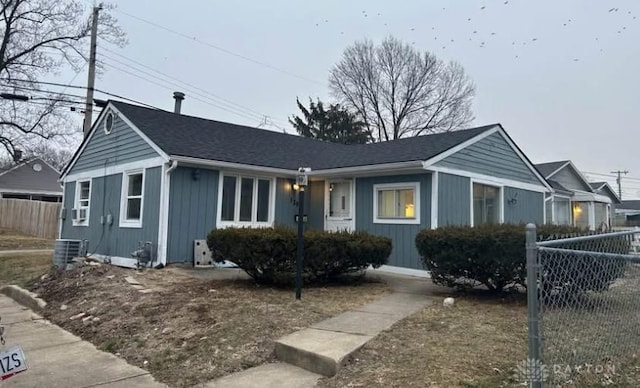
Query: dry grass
[
  {"x": 189, "y": 331},
  {"x": 23, "y": 269},
  {"x": 10, "y": 240},
  {"x": 476, "y": 343}
]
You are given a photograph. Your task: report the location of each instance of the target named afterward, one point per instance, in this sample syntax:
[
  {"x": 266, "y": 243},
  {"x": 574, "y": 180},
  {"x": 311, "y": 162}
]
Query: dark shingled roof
[
  {"x": 558, "y": 187},
  {"x": 27, "y": 180},
  {"x": 629, "y": 205},
  {"x": 547, "y": 169},
  {"x": 183, "y": 135}
]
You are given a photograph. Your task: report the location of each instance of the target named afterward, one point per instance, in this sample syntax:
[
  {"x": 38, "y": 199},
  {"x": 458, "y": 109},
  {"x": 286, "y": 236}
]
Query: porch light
[
  {"x": 577, "y": 209},
  {"x": 331, "y": 187},
  {"x": 295, "y": 187}
]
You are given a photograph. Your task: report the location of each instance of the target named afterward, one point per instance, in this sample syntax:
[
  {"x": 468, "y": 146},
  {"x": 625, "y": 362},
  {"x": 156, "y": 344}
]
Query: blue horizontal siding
[
  {"x": 111, "y": 240},
  {"x": 122, "y": 145},
  {"x": 491, "y": 156},
  {"x": 404, "y": 253}
]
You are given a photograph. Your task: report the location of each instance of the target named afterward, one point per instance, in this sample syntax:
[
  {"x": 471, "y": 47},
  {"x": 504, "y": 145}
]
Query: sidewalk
[
  {"x": 320, "y": 350},
  {"x": 56, "y": 358}
]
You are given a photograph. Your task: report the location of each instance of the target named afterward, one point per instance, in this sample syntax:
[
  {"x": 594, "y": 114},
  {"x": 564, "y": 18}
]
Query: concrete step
[
  {"x": 278, "y": 375},
  {"x": 319, "y": 351}
]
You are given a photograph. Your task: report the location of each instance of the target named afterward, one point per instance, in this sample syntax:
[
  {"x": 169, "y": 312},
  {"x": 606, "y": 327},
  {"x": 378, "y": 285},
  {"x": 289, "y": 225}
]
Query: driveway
[{"x": 56, "y": 358}]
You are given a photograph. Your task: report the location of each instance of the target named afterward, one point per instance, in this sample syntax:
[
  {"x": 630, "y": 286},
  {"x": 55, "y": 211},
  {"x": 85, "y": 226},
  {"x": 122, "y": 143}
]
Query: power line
[
  {"x": 204, "y": 91},
  {"x": 226, "y": 51},
  {"x": 156, "y": 81},
  {"x": 82, "y": 87}
]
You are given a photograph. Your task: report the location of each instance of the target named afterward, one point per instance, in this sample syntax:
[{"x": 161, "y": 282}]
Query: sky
[{"x": 560, "y": 76}]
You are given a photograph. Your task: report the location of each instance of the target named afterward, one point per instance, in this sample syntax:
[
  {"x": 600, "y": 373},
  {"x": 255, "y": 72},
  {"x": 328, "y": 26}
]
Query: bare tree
[
  {"x": 400, "y": 92},
  {"x": 39, "y": 38}
]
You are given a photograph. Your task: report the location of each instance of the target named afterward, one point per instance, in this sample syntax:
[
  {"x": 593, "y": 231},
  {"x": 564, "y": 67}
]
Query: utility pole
[
  {"x": 88, "y": 115},
  {"x": 619, "y": 180}
]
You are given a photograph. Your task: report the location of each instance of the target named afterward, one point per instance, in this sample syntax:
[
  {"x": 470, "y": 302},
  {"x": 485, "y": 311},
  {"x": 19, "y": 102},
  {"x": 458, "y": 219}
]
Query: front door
[{"x": 339, "y": 207}]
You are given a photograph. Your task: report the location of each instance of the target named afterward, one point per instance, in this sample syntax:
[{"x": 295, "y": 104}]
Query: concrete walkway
[
  {"x": 322, "y": 349},
  {"x": 25, "y": 252},
  {"x": 56, "y": 358}
]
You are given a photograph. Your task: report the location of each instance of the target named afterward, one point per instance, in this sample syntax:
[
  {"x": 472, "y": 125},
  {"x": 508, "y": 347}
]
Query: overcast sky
[{"x": 560, "y": 76}]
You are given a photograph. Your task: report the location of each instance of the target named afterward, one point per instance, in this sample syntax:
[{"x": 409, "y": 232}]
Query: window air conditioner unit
[{"x": 79, "y": 215}]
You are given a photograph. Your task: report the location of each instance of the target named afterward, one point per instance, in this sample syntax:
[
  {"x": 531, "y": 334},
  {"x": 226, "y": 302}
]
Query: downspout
[{"x": 173, "y": 164}]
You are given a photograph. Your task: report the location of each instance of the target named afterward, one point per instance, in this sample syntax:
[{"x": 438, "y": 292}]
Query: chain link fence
[{"x": 584, "y": 309}]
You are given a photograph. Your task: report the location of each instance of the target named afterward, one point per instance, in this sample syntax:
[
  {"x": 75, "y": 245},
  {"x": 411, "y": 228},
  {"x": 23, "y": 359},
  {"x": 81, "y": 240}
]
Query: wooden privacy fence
[{"x": 35, "y": 218}]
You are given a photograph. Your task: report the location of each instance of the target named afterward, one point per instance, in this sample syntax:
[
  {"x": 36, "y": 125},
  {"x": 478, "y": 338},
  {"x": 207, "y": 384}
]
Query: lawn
[
  {"x": 12, "y": 240},
  {"x": 188, "y": 331},
  {"x": 481, "y": 342},
  {"x": 23, "y": 269}
]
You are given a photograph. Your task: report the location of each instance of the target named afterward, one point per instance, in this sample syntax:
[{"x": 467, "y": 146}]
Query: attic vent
[{"x": 108, "y": 123}]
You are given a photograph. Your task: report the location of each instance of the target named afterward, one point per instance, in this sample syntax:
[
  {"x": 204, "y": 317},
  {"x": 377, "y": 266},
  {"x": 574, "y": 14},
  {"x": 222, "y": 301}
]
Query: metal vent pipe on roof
[{"x": 178, "y": 96}]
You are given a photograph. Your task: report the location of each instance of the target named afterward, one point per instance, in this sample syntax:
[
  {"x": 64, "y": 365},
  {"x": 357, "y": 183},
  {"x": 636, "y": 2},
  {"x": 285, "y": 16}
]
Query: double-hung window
[
  {"x": 396, "y": 203},
  {"x": 486, "y": 204},
  {"x": 132, "y": 199},
  {"x": 246, "y": 201},
  {"x": 82, "y": 201}
]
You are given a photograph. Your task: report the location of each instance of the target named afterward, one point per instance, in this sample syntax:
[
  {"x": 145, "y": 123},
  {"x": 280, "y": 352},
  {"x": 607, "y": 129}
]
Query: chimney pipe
[{"x": 178, "y": 96}]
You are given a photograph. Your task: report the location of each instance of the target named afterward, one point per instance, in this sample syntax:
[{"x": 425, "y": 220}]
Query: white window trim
[
  {"x": 124, "y": 223},
  {"x": 396, "y": 186},
  {"x": 76, "y": 202},
  {"x": 500, "y": 199},
  {"x": 254, "y": 203}
]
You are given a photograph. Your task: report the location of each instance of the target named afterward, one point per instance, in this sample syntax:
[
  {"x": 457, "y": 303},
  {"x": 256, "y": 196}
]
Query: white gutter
[
  {"x": 230, "y": 165},
  {"x": 368, "y": 168}
]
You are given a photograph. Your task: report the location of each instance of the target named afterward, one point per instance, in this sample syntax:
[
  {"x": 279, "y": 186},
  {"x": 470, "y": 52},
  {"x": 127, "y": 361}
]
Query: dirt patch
[
  {"x": 476, "y": 343},
  {"x": 10, "y": 240},
  {"x": 188, "y": 331},
  {"x": 23, "y": 270}
]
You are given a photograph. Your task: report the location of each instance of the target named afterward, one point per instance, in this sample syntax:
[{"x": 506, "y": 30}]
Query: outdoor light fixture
[
  {"x": 295, "y": 187},
  {"x": 331, "y": 187}
]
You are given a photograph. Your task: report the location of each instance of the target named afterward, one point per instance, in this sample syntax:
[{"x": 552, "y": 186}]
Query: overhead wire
[{"x": 205, "y": 93}]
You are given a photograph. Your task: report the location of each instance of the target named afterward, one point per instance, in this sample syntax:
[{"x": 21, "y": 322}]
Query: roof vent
[{"x": 178, "y": 96}]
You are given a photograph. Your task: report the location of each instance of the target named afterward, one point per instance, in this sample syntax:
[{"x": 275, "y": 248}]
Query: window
[
  {"x": 245, "y": 200},
  {"x": 80, "y": 212},
  {"x": 562, "y": 211},
  {"x": 132, "y": 199},
  {"x": 396, "y": 203},
  {"x": 108, "y": 123},
  {"x": 486, "y": 204},
  {"x": 581, "y": 214}
]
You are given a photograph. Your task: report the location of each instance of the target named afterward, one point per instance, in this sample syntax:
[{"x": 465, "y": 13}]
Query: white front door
[{"x": 339, "y": 206}]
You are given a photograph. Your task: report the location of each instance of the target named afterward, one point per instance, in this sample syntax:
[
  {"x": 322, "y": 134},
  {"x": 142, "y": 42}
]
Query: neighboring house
[
  {"x": 154, "y": 176},
  {"x": 575, "y": 201},
  {"x": 32, "y": 180},
  {"x": 629, "y": 213}
]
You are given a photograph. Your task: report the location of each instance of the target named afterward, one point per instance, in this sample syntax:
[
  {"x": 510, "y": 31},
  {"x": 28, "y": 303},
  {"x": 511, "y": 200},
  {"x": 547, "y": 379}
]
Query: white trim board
[
  {"x": 186, "y": 160},
  {"x": 110, "y": 107},
  {"x": 461, "y": 146},
  {"x": 435, "y": 188},
  {"x": 32, "y": 192},
  {"x": 490, "y": 179},
  {"x": 127, "y": 262},
  {"x": 352, "y": 171},
  {"x": 116, "y": 169}
]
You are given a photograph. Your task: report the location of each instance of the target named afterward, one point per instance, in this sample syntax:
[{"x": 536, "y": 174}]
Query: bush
[
  {"x": 268, "y": 255},
  {"x": 494, "y": 256}
]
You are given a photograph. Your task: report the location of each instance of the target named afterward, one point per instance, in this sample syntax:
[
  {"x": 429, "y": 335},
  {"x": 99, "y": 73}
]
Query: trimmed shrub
[
  {"x": 268, "y": 255},
  {"x": 494, "y": 256}
]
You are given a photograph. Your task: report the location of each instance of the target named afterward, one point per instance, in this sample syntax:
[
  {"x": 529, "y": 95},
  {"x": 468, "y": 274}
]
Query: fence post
[{"x": 534, "y": 362}]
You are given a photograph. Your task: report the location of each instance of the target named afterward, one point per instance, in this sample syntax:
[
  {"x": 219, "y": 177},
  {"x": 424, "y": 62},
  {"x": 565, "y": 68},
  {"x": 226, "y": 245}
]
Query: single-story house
[
  {"x": 628, "y": 212},
  {"x": 576, "y": 201},
  {"x": 33, "y": 180},
  {"x": 168, "y": 179}
]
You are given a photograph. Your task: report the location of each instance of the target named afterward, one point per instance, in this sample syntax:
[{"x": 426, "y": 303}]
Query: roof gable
[
  {"x": 565, "y": 173},
  {"x": 124, "y": 143},
  {"x": 33, "y": 176},
  {"x": 194, "y": 137},
  {"x": 493, "y": 156},
  {"x": 605, "y": 189}
]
